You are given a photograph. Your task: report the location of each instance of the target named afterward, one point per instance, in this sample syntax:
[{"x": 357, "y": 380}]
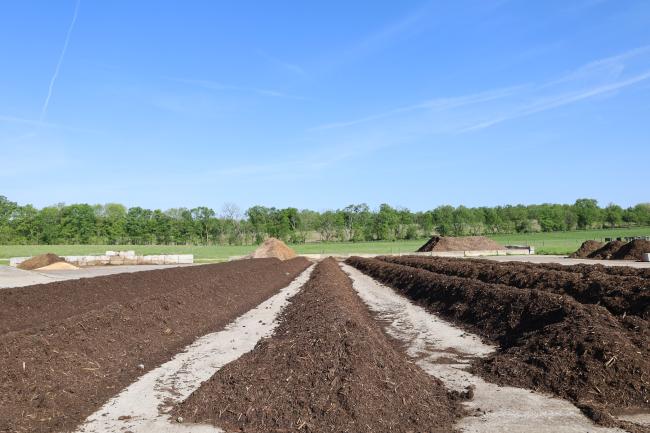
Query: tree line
[{"x": 113, "y": 223}]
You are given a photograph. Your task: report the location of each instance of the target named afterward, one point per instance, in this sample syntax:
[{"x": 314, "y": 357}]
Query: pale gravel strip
[
  {"x": 143, "y": 405},
  {"x": 442, "y": 350}
]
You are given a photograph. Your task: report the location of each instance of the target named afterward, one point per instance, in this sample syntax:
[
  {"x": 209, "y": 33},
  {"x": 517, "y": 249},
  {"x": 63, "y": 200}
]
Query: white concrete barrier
[
  {"x": 646, "y": 257},
  {"x": 120, "y": 258}
]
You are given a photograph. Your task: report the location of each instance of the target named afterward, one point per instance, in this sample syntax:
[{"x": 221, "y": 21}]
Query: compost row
[
  {"x": 620, "y": 295},
  {"x": 546, "y": 341},
  {"x": 61, "y": 366},
  {"x": 328, "y": 368}
]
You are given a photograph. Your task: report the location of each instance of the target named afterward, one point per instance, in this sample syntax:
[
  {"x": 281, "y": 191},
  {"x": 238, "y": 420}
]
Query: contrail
[{"x": 58, "y": 65}]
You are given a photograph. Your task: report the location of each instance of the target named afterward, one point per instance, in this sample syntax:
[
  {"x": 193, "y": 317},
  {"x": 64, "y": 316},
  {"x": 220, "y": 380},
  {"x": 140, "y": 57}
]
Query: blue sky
[{"x": 319, "y": 105}]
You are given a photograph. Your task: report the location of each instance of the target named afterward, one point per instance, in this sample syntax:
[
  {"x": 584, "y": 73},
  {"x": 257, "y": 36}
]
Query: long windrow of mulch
[
  {"x": 620, "y": 295},
  {"x": 37, "y": 305},
  {"x": 546, "y": 341},
  {"x": 580, "y": 268},
  {"x": 327, "y": 368},
  {"x": 79, "y": 350}
]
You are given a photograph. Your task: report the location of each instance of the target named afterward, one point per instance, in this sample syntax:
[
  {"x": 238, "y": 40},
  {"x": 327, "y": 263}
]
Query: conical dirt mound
[
  {"x": 586, "y": 248},
  {"x": 273, "y": 247},
  {"x": 607, "y": 251},
  {"x": 40, "y": 261},
  {"x": 633, "y": 250}
]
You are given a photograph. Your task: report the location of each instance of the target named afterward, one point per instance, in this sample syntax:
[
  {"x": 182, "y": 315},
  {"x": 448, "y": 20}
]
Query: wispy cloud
[
  {"x": 557, "y": 101},
  {"x": 461, "y": 114},
  {"x": 291, "y": 67},
  {"x": 436, "y": 104},
  {"x": 43, "y": 124},
  {"x": 46, "y": 103},
  {"x": 215, "y": 85}
]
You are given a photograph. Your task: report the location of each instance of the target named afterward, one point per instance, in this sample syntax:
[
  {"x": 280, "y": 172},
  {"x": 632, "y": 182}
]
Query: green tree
[{"x": 587, "y": 212}]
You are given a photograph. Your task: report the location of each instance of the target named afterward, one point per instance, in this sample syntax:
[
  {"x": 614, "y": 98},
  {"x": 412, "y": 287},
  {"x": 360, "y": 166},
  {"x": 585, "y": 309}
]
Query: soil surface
[
  {"x": 621, "y": 295},
  {"x": 88, "y": 339},
  {"x": 461, "y": 243},
  {"x": 546, "y": 341},
  {"x": 633, "y": 250},
  {"x": 273, "y": 247},
  {"x": 328, "y": 368},
  {"x": 607, "y": 251},
  {"x": 39, "y": 261},
  {"x": 586, "y": 248},
  {"x": 581, "y": 268}
]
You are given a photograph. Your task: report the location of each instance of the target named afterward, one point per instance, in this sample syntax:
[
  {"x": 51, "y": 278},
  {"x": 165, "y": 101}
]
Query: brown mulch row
[
  {"x": 327, "y": 368},
  {"x": 546, "y": 341},
  {"x": 37, "y": 305},
  {"x": 581, "y": 268},
  {"x": 58, "y": 371},
  {"x": 620, "y": 295}
]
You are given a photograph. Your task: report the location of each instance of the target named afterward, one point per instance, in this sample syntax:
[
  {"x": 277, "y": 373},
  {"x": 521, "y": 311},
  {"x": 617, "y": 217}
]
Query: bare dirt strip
[
  {"x": 74, "y": 354},
  {"x": 545, "y": 341},
  {"x": 328, "y": 368},
  {"x": 445, "y": 351},
  {"x": 620, "y": 295}
]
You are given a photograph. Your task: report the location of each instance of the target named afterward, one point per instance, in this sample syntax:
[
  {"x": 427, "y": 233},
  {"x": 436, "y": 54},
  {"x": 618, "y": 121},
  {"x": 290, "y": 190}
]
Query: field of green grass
[
  {"x": 544, "y": 243},
  {"x": 566, "y": 242}
]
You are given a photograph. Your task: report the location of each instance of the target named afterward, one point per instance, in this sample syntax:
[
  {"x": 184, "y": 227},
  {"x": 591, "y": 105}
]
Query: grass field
[{"x": 544, "y": 243}]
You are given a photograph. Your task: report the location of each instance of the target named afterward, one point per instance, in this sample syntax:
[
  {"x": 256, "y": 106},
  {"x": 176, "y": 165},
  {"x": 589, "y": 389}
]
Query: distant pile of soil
[
  {"x": 463, "y": 243},
  {"x": 633, "y": 250},
  {"x": 606, "y": 251},
  {"x": 273, "y": 247},
  {"x": 40, "y": 261},
  {"x": 586, "y": 248},
  {"x": 328, "y": 368},
  {"x": 547, "y": 342}
]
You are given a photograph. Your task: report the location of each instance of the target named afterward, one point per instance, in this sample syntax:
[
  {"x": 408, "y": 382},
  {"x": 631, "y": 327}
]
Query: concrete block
[
  {"x": 15, "y": 261},
  {"x": 170, "y": 259},
  {"x": 116, "y": 260},
  {"x": 185, "y": 259},
  {"x": 646, "y": 257},
  {"x": 111, "y": 253}
]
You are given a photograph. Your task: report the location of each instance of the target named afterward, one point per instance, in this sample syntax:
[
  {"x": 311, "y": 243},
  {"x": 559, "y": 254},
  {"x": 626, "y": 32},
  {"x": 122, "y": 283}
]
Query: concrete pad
[
  {"x": 444, "y": 351},
  {"x": 144, "y": 405}
]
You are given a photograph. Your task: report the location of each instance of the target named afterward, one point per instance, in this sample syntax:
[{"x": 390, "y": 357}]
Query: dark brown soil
[
  {"x": 620, "y": 295},
  {"x": 328, "y": 368},
  {"x": 606, "y": 251},
  {"x": 462, "y": 243},
  {"x": 586, "y": 248},
  {"x": 582, "y": 268},
  {"x": 63, "y": 367},
  {"x": 546, "y": 341},
  {"x": 633, "y": 250},
  {"x": 40, "y": 261},
  {"x": 37, "y": 305}
]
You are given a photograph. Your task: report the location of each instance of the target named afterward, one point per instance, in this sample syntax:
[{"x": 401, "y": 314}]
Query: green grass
[
  {"x": 544, "y": 243},
  {"x": 207, "y": 253},
  {"x": 566, "y": 242}
]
